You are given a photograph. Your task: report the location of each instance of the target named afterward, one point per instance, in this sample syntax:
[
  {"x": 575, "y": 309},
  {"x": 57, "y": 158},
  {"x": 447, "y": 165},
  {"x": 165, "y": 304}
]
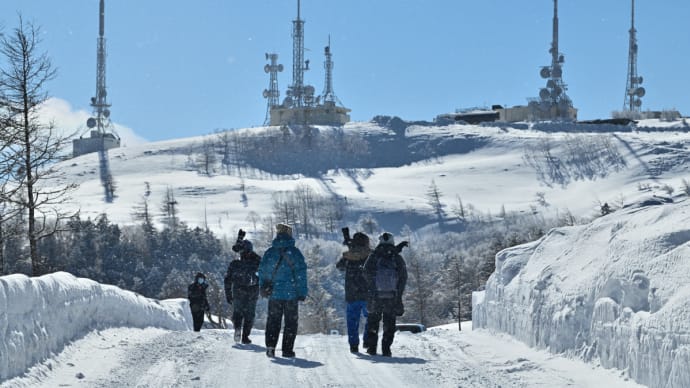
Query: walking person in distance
[
  {"x": 198, "y": 303},
  {"x": 242, "y": 288}
]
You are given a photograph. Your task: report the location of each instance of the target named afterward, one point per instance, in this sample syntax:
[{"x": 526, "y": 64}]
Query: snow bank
[
  {"x": 38, "y": 316},
  {"x": 616, "y": 290}
]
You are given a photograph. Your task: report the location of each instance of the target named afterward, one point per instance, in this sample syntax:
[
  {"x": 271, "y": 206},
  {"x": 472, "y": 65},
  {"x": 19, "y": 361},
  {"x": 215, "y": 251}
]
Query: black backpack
[
  {"x": 244, "y": 275},
  {"x": 386, "y": 280}
]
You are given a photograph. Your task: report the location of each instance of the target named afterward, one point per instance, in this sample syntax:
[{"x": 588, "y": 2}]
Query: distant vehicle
[{"x": 411, "y": 327}]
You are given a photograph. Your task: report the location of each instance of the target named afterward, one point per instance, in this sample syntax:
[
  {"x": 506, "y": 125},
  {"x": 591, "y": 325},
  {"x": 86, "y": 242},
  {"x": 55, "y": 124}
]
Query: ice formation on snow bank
[
  {"x": 38, "y": 316},
  {"x": 617, "y": 289}
]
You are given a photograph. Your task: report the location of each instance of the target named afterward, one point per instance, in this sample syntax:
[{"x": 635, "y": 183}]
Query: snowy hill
[
  {"x": 386, "y": 169},
  {"x": 616, "y": 290}
]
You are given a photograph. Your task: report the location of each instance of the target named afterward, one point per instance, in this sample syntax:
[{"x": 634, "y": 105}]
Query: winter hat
[
  {"x": 386, "y": 238},
  {"x": 199, "y": 275},
  {"x": 246, "y": 246},
  {"x": 282, "y": 228},
  {"x": 360, "y": 240}
]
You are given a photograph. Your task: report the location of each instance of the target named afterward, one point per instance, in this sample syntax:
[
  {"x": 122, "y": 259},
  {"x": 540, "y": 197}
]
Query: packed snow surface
[{"x": 616, "y": 290}]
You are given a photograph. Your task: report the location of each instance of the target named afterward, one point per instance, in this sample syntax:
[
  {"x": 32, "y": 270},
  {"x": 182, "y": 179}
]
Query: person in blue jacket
[{"x": 283, "y": 280}]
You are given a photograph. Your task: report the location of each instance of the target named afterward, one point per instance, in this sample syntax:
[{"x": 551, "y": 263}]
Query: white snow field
[{"x": 126, "y": 356}]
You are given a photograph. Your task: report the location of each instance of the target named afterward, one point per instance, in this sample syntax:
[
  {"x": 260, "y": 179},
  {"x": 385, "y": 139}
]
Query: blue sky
[{"x": 186, "y": 68}]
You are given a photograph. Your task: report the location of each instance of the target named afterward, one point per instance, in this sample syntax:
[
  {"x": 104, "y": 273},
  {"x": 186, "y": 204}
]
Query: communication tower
[
  {"x": 328, "y": 93},
  {"x": 272, "y": 94},
  {"x": 553, "y": 102},
  {"x": 633, "y": 89},
  {"x": 102, "y": 133},
  {"x": 298, "y": 94},
  {"x": 300, "y": 105}
]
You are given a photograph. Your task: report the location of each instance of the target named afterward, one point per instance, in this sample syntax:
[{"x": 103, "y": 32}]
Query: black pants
[
  {"x": 277, "y": 309},
  {"x": 243, "y": 313},
  {"x": 381, "y": 309},
  {"x": 198, "y": 317}
]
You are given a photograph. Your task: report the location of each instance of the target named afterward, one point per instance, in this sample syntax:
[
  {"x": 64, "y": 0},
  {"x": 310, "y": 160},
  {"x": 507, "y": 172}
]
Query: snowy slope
[
  {"x": 616, "y": 290},
  {"x": 71, "y": 331},
  {"x": 485, "y": 166}
]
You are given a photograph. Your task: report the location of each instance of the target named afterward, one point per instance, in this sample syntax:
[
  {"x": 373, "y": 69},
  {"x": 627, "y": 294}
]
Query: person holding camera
[
  {"x": 356, "y": 291},
  {"x": 198, "y": 303},
  {"x": 283, "y": 280},
  {"x": 242, "y": 288}
]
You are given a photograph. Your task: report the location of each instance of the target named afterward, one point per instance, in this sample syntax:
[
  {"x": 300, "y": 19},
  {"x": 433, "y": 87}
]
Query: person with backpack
[
  {"x": 242, "y": 288},
  {"x": 198, "y": 303},
  {"x": 283, "y": 280},
  {"x": 386, "y": 275},
  {"x": 352, "y": 263}
]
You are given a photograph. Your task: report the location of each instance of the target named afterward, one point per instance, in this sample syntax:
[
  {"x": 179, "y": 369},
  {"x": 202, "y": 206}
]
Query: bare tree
[
  {"x": 459, "y": 209},
  {"x": 169, "y": 208},
  {"x": 254, "y": 218},
  {"x": 207, "y": 157},
  {"x": 35, "y": 146},
  {"x": 224, "y": 144},
  {"x": 433, "y": 196}
]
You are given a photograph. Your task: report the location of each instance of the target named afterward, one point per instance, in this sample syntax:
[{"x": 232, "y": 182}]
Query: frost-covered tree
[
  {"x": 368, "y": 224},
  {"x": 419, "y": 290},
  {"x": 319, "y": 316}
]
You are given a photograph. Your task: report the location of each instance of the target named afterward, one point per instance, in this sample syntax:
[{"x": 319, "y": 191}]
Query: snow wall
[
  {"x": 39, "y": 316},
  {"x": 616, "y": 290}
]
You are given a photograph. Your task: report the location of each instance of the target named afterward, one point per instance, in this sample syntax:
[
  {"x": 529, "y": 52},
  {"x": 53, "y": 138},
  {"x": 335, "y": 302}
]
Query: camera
[{"x": 346, "y": 235}]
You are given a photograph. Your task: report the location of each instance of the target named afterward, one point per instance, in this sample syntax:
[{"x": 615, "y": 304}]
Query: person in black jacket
[
  {"x": 242, "y": 289},
  {"x": 355, "y": 285},
  {"x": 386, "y": 275},
  {"x": 196, "y": 293}
]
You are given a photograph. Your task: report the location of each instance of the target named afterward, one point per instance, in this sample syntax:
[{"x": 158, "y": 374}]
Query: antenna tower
[
  {"x": 633, "y": 91},
  {"x": 101, "y": 110},
  {"x": 298, "y": 94},
  {"x": 328, "y": 93},
  {"x": 272, "y": 93},
  {"x": 553, "y": 95}
]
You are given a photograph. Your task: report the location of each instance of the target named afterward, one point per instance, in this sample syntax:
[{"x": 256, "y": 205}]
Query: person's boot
[
  {"x": 270, "y": 352},
  {"x": 386, "y": 352},
  {"x": 288, "y": 353},
  {"x": 354, "y": 348},
  {"x": 371, "y": 350},
  {"x": 246, "y": 341},
  {"x": 238, "y": 335}
]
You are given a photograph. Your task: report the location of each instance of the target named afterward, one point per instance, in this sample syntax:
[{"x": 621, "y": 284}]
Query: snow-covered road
[{"x": 439, "y": 357}]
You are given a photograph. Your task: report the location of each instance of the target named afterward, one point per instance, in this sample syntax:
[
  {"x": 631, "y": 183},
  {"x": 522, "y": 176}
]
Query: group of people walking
[{"x": 374, "y": 284}]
